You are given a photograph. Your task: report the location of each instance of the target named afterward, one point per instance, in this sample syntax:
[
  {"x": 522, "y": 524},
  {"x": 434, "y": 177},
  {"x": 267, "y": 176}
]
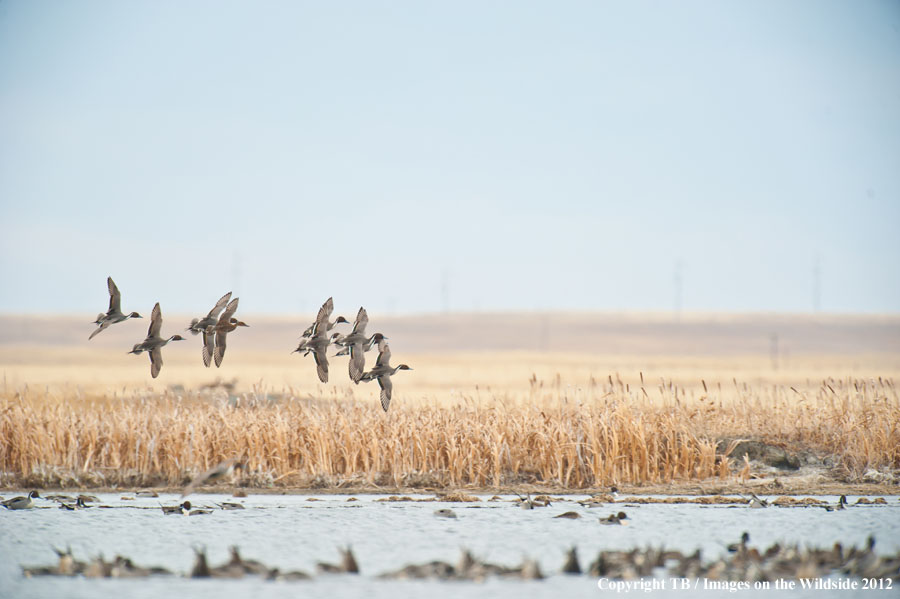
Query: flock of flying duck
[{"x": 220, "y": 321}]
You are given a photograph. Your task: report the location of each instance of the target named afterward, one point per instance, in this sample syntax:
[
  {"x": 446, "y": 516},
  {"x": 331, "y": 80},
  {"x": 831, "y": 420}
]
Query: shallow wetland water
[{"x": 293, "y": 532}]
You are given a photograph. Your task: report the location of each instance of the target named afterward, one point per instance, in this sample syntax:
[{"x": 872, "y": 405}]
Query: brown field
[{"x": 595, "y": 400}]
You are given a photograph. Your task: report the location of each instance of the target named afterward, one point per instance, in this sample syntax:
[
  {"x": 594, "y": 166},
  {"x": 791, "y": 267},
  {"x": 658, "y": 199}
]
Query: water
[{"x": 292, "y": 533}]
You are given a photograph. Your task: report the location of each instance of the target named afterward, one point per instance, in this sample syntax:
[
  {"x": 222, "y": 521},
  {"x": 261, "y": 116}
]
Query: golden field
[{"x": 87, "y": 414}]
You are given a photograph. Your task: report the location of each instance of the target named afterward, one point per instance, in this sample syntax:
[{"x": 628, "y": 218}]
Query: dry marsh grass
[{"x": 545, "y": 431}]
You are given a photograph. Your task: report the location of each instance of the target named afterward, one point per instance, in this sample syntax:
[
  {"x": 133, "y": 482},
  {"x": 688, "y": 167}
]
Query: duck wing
[
  {"x": 321, "y": 363},
  {"x": 155, "y": 322},
  {"x": 216, "y": 472},
  {"x": 362, "y": 319},
  {"x": 209, "y": 347},
  {"x": 321, "y": 324},
  {"x": 220, "y": 347},
  {"x": 384, "y": 356},
  {"x": 230, "y": 309},
  {"x": 220, "y": 305},
  {"x": 115, "y": 298},
  {"x": 384, "y": 381},
  {"x": 357, "y": 362},
  {"x": 103, "y": 325},
  {"x": 156, "y": 361}
]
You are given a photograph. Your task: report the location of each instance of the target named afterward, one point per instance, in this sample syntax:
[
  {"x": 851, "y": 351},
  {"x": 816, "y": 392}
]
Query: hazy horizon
[{"x": 417, "y": 158}]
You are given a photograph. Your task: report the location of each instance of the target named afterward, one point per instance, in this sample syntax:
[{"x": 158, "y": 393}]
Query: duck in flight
[
  {"x": 153, "y": 344},
  {"x": 216, "y": 473},
  {"x": 214, "y": 336},
  {"x": 114, "y": 314},
  {"x": 328, "y": 305},
  {"x": 356, "y": 344},
  {"x": 383, "y": 371},
  {"x": 319, "y": 340},
  {"x": 199, "y": 325}
]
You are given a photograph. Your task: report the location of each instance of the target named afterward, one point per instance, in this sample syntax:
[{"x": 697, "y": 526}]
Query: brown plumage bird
[
  {"x": 216, "y": 473},
  {"x": 199, "y": 325},
  {"x": 214, "y": 347}
]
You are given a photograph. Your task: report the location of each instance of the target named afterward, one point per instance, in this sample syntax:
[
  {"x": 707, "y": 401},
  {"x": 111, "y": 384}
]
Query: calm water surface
[{"x": 291, "y": 533}]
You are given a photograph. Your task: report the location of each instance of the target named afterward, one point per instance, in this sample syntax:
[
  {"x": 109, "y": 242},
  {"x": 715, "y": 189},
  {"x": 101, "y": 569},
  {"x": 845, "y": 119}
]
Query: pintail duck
[
  {"x": 21, "y": 503},
  {"x": 238, "y": 564},
  {"x": 153, "y": 344},
  {"x": 571, "y": 565},
  {"x": 757, "y": 503},
  {"x": 200, "y": 325},
  {"x": 569, "y": 515},
  {"x": 356, "y": 344},
  {"x": 183, "y": 509},
  {"x": 348, "y": 564},
  {"x": 735, "y": 547},
  {"x": 329, "y": 306},
  {"x": 231, "y": 505},
  {"x": 216, "y": 473},
  {"x": 78, "y": 505},
  {"x": 614, "y": 518},
  {"x": 318, "y": 342},
  {"x": 201, "y": 567},
  {"x": 114, "y": 314},
  {"x": 445, "y": 513},
  {"x": 226, "y": 324},
  {"x": 369, "y": 344},
  {"x": 841, "y": 504},
  {"x": 383, "y": 371},
  {"x": 58, "y": 498}
]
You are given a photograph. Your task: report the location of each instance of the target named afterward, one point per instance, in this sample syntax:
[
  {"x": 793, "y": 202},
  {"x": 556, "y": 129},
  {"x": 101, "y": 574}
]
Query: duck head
[
  {"x": 134, "y": 315},
  {"x": 176, "y": 338}
]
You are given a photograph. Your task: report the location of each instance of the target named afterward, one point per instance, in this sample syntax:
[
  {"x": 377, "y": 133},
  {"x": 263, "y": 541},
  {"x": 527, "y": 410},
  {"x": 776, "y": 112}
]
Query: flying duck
[
  {"x": 114, "y": 314},
  {"x": 223, "y": 326},
  {"x": 154, "y": 343},
  {"x": 383, "y": 372}
]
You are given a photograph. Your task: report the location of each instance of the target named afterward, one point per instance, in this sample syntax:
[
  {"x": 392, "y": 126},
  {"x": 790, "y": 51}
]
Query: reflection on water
[{"x": 291, "y": 533}]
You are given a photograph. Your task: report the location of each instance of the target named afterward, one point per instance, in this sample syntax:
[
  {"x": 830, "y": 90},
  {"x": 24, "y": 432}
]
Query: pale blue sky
[{"x": 555, "y": 155}]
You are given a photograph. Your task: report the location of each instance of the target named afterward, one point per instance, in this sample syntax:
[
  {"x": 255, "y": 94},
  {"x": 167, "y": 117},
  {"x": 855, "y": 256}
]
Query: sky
[{"x": 422, "y": 156}]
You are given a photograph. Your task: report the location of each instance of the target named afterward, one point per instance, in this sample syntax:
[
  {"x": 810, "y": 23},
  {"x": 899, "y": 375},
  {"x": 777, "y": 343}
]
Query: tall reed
[{"x": 575, "y": 438}]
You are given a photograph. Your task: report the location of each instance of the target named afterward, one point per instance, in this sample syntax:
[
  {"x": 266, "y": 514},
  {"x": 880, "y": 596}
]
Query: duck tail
[{"x": 193, "y": 328}]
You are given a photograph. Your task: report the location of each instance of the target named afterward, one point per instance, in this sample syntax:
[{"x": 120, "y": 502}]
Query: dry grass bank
[
  {"x": 597, "y": 432},
  {"x": 563, "y": 400}
]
